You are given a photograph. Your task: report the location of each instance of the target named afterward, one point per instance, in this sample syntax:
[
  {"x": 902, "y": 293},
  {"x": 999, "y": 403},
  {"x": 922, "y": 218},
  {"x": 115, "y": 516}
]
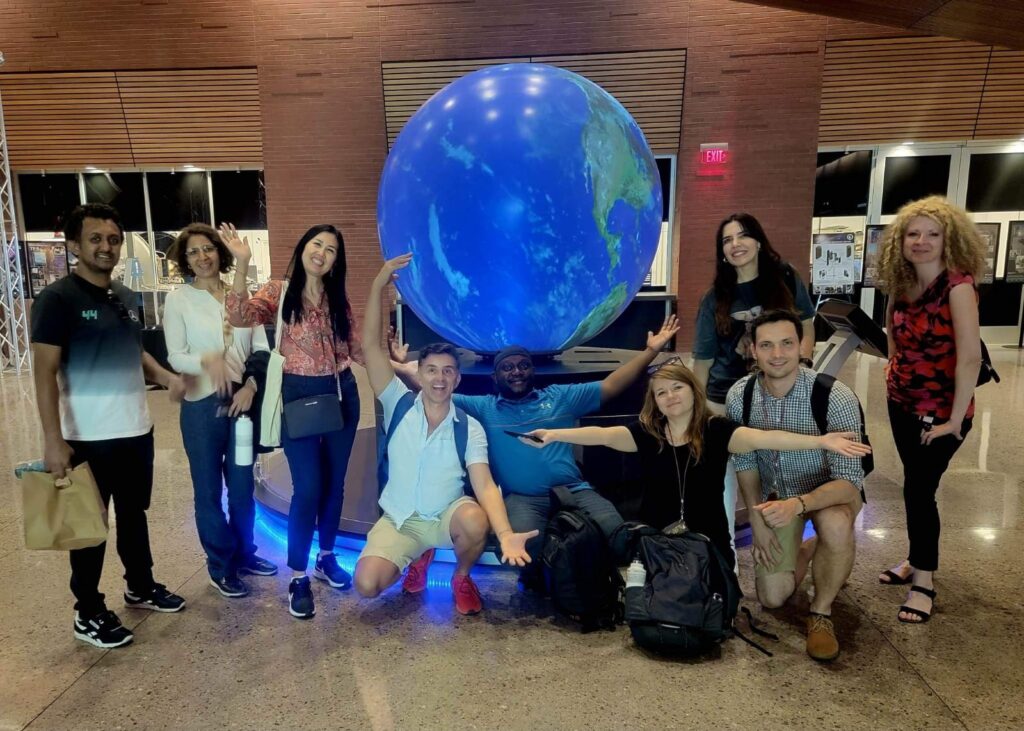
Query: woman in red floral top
[
  {"x": 931, "y": 256},
  {"x": 320, "y": 339}
]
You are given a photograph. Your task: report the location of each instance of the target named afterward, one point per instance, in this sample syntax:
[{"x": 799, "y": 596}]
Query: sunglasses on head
[{"x": 655, "y": 367}]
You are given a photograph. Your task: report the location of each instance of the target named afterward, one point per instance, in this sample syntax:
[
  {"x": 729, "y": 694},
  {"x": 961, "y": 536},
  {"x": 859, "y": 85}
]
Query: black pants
[
  {"x": 923, "y": 467},
  {"x": 123, "y": 469}
]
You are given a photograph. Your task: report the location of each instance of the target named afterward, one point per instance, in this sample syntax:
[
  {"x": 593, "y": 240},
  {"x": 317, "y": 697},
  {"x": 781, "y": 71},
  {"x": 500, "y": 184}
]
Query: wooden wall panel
[
  {"x": 133, "y": 118},
  {"x": 203, "y": 117},
  {"x": 648, "y": 83},
  {"x": 64, "y": 120},
  {"x": 894, "y": 89},
  {"x": 1002, "y": 105}
]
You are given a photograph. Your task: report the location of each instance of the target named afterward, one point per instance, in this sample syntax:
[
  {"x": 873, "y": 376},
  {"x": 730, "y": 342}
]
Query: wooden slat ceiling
[
  {"x": 995, "y": 22},
  {"x": 648, "y": 83},
  {"x": 895, "y": 89},
  {"x": 132, "y": 118},
  {"x": 1002, "y": 103}
]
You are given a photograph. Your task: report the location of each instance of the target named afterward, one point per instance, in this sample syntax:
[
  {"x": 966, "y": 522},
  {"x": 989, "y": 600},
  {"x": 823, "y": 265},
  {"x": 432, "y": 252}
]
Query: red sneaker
[
  {"x": 415, "y": 579},
  {"x": 467, "y": 596}
]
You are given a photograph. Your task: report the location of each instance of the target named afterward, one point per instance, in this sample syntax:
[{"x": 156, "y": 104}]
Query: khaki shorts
[
  {"x": 402, "y": 547},
  {"x": 789, "y": 536}
]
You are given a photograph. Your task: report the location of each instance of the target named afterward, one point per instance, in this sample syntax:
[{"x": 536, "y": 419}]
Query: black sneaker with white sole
[
  {"x": 157, "y": 599},
  {"x": 327, "y": 569},
  {"x": 300, "y": 598},
  {"x": 103, "y": 630},
  {"x": 230, "y": 586},
  {"x": 258, "y": 566}
]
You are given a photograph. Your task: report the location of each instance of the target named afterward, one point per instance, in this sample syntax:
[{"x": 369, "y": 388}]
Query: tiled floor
[{"x": 403, "y": 663}]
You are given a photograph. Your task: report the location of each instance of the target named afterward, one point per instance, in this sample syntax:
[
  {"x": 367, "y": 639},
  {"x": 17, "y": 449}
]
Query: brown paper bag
[{"x": 63, "y": 514}]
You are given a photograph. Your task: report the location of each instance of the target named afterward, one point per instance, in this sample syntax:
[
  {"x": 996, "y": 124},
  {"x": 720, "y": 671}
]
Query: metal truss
[{"x": 14, "y": 336}]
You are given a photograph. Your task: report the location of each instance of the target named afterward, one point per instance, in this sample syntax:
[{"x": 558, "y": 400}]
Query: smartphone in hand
[{"x": 531, "y": 437}]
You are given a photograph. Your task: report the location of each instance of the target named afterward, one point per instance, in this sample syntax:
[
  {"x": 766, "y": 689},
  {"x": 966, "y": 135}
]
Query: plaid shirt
[{"x": 797, "y": 473}]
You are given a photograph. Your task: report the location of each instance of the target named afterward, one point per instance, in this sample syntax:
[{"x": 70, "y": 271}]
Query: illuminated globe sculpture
[{"x": 532, "y": 206}]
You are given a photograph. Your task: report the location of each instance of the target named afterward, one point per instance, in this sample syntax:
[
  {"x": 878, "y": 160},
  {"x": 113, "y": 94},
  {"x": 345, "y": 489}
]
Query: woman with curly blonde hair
[{"x": 931, "y": 257}]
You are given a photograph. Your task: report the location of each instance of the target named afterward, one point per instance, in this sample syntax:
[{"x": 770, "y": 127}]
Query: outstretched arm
[
  {"x": 745, "y": 439},
  {"x": 614, "y": 437},
  {"x": 378, "y": 364},
  {"x": 513, "y": 545},
  {"x": 619, "y": 380}
]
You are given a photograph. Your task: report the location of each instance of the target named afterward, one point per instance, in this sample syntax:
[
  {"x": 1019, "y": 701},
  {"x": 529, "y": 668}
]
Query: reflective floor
[{"x": 412, "y": 663}]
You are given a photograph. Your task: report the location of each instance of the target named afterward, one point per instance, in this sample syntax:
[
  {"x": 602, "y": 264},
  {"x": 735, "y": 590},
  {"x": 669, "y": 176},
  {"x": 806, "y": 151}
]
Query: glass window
[
  {"x": 995, "y": 182},
  {"x": 178, "y": 199},
  {"x": 123, "y": 191},
  {"x": 47, "y": 199},
  {"x": 909, "y": 178},
  {"x": 240, "y": 198},
  {"x": 841, "y": 183}
]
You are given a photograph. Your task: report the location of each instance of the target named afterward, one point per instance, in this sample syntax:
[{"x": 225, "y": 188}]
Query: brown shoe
[{"x": 822, "y": 644}]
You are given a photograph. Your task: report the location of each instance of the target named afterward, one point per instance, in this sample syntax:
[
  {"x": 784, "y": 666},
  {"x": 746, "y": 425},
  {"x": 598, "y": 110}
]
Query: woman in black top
[{"x": 685, "y": 451}]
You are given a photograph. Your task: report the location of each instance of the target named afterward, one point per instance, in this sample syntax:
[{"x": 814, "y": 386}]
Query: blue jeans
[
  {"x": 209, "y": 443},
  {"x": 318, "y": 465},
  {"x": 532, "y": 512}
]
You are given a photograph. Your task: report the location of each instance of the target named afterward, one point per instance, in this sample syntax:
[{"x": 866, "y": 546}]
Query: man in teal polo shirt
[{"x": 526, "y": 475}]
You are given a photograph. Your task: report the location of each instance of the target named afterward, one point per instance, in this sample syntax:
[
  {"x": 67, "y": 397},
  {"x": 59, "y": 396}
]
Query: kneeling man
[
  {"x": 423, "y": 501},
  {"x": 783, "y": 490}
]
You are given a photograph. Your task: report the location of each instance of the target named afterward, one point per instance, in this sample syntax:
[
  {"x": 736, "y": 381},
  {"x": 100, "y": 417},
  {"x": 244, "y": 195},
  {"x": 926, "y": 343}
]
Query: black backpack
[
  {"x": 578, "y": 567},
  {"x": 820, "y": 393},
  {"x": 690, "y": 599}
]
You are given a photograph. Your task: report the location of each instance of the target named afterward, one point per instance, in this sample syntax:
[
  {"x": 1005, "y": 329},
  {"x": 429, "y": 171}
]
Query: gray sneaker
[
  {"x": 258, "y": 566},
  {"x": 230, "y": 586}
]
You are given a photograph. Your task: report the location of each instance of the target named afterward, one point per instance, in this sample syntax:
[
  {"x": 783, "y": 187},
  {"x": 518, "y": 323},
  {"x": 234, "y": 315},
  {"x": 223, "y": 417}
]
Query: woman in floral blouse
[{"x": 320, "y": 339}]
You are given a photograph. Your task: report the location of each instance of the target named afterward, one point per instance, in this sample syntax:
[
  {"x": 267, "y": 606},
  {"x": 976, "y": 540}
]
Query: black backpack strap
[
  {"x": 748, "y": 399},
  {"x": 756, "y": 630},
  {"x": 563, "y": 498},
  {"x": 820, "y": 393}
]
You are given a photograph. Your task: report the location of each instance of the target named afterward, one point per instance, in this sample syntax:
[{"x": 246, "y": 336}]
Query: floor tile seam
[
  {"x": 910, "y": 664},
  {"x": 99, "y": 658}
]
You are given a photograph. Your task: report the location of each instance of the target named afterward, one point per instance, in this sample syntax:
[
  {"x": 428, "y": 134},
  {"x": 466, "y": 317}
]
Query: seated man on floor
[
  {"x": 782, "y": 490},
  {"x": 423, "y": 501},
  {"x": 528, "y": 474}
]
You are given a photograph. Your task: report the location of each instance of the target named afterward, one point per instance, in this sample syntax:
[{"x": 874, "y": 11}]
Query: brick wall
[{"x": 753, "y": 79}]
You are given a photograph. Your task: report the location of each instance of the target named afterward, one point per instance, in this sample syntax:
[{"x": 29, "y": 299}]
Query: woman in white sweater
[{"x": 203, "y": 344}]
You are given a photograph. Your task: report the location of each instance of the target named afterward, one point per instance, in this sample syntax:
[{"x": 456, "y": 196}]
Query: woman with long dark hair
[
  {"x": 319, "y": 341},
  {"x": 931, "y": 259},
  {"x": 684, "y": 451},
  {"x": 750, "y": 278}
]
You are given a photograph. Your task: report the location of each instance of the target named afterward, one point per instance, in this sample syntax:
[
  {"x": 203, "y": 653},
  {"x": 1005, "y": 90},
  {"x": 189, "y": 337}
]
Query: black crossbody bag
[{"x": 315, "y": 415}]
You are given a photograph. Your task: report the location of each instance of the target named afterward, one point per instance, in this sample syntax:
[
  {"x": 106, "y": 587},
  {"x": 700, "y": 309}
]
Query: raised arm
[
  {"x": 513, "y": 545},
  {"x": 745, "y": 439},
  {"x": 378, "y": 364},
  {"x": 242, "y": 310},
  {"x": 614, "y": 437},
  {"x": 620, "y": 379}
]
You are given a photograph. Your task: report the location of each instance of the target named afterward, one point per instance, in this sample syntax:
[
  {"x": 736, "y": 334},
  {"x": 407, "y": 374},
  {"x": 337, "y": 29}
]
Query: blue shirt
[
  {"x": 424, "y": 471},
  {"x": 526, "y": 470}
]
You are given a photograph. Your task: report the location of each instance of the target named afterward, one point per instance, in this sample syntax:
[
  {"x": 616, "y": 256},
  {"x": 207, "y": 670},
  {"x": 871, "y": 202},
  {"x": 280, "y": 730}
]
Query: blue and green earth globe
[{"x": 532, "y": 206}]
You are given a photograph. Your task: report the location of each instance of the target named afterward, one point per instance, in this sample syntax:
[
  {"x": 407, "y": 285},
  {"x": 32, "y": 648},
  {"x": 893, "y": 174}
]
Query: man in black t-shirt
[{"x": 90, "y": 370}]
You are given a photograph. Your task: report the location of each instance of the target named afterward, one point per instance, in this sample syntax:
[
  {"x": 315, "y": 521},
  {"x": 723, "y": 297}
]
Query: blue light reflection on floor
[{"x": 275, "y": 529}]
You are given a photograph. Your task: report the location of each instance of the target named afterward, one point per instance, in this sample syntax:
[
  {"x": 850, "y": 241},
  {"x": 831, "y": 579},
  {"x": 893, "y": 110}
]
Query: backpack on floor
[
  {"x": 581, "y": 576},
  {"x": 690, "y": 598},
  {"x": 820, "y": 393}
]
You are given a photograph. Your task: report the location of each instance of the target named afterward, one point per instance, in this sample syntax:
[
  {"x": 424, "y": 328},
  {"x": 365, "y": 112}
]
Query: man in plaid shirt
[{"x": 782, "y": 490}]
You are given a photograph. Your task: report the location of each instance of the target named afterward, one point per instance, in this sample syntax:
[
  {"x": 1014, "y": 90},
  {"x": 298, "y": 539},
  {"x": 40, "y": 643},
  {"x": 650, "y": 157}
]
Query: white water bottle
[
  {"x": 243, "y": 441},
  {"x": 636, "y": 574}
]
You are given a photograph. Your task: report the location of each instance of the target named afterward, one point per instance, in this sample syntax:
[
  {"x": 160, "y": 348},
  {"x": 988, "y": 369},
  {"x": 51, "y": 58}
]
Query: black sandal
[
  {"x": 922, "y": 616},
  {"x": 894, "y": 578}
]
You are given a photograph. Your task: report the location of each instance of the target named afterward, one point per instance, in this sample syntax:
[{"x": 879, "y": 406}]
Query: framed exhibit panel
[
  {"x": 1015, "y": 253},
  {"x": 872, "y": 250}
]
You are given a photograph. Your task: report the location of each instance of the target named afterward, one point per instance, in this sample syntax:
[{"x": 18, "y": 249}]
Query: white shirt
[
  {"x": 424, "y": 472},
  {"x": 194, "y": 326}
]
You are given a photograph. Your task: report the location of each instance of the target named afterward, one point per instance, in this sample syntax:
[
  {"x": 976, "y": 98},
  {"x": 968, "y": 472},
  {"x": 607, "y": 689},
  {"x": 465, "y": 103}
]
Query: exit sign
[{"x": 714, "y": 158}]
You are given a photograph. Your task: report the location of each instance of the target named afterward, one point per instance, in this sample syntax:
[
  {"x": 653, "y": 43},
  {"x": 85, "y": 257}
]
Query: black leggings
[{"x": 923, "y": 467}]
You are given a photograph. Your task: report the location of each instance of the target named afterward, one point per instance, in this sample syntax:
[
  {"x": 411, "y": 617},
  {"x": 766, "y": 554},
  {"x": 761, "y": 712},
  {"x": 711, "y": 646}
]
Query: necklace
[{"x": 680, "y": 479}]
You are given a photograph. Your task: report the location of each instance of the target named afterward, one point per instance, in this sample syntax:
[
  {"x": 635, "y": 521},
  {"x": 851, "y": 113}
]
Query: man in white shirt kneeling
[{"x": 423, "y": 501}]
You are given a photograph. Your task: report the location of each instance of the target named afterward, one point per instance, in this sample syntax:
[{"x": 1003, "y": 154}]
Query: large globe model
[{"x": 531, "y": 203}]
